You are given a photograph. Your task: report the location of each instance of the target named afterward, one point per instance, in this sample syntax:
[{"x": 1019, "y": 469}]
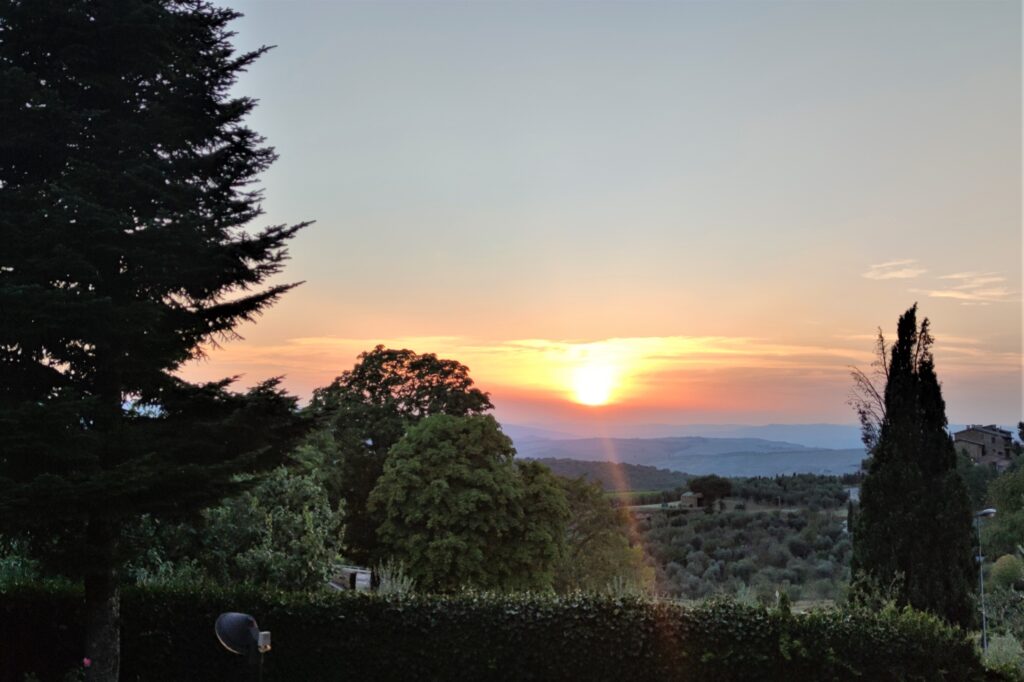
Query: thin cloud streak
[
  {"x": 894, "y": 269},
  {"x": 974, "y": 288},
  {"x": 969, "y": 287}
]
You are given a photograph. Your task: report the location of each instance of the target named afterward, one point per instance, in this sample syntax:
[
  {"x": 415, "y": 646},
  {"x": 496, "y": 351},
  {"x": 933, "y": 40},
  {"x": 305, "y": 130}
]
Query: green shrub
[
  {"x": 1005, "y": 612},
  {"x": 15, "y": 565},
  {"x": 1004, "y": 654},
  {"x": 167, "y": 635},
  {"x": 1007, "y": 572},
  {"x": 394, "y": 579}
]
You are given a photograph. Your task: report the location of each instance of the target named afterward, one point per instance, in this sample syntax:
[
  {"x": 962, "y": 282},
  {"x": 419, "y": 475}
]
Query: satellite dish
[{"x": 239, "y": 634}]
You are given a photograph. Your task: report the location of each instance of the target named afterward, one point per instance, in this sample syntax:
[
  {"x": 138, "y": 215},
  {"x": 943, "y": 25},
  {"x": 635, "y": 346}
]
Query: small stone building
[
  {"x": 691, "y": 500},
  {"x": 987, "y": 445}
]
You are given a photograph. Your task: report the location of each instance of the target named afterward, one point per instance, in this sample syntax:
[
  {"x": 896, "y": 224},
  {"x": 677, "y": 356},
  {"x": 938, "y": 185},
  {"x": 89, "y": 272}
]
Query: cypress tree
[
  {"x": 125, "y": 192},
  {"x": 913, "y": 528}
]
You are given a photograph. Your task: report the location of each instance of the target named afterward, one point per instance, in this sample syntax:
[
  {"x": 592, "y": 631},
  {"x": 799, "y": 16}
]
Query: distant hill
[
  {"x": 698, "y": 455},
  {"x": 808, "y": 461},
  {"x": 522, "y": 434},
  {"x": 831, "y": 436},
  {"x": 646, "y": 450},
  {"x": 618, "y": 477}
]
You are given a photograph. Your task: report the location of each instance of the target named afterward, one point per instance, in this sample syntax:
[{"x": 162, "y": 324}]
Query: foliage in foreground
[
  {"x": 167, "y": 636},
  {"x": 281, "y": 534}
]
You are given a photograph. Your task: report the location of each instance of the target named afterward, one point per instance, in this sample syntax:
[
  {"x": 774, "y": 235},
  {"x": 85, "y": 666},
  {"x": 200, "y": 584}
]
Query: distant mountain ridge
[
  {"x": 831, "y": 436},
  {"x": 700, "y": 455},
  {"x": 519, "y": 433}
]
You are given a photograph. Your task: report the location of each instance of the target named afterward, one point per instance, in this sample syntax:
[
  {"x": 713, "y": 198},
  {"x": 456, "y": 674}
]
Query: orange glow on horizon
[
  {"x": 636, "y": 379},
  {"x": 693, "y": 373}
]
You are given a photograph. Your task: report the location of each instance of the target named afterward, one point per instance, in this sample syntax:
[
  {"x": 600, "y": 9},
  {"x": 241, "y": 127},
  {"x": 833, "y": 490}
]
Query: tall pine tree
[
  {"x": 126, "y": 173},
  {"x": 913, "y": 529}
]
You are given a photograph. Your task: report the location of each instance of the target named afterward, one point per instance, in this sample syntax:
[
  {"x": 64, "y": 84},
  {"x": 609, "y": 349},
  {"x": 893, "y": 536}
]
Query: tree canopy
[
  {"x": 368, "y": 409},
  {"x": 281, "y": 534},
  {"x": 1004, "y": 533},
  {"x": 127, "y": 172},
  {"x": 596, "y": 550},
  {"x": 913, "y": 529},
  {"x": 458, "y": 511},
  {"x": 409, "y": 385},
  {"x": 712, "y": 487}
]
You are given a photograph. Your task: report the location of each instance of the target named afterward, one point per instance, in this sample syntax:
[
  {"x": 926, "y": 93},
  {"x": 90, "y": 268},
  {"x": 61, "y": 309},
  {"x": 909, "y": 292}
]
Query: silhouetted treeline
[
  {"x": 810, "y": 491},
  {"x": 617, "y": 477},
  {"x": 796, "y": 490}
]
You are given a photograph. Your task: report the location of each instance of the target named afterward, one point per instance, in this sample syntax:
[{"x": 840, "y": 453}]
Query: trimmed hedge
[{"x": 168, "y": 635}]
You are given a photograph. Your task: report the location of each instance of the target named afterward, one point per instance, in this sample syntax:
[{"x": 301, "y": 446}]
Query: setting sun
[{"x": 593, "y": 384}]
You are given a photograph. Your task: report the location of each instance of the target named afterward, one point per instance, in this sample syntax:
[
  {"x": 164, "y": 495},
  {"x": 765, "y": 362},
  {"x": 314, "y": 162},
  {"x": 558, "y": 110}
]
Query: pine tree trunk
[{"x": 102, "y": 609}]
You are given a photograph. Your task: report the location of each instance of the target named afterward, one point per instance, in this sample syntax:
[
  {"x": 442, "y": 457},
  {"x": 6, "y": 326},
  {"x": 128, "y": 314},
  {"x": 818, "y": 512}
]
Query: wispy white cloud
[
  {"x": 972, "y": 288},
  {"x": 895, "y": 269},
  {"x": 975, "y": 279}
]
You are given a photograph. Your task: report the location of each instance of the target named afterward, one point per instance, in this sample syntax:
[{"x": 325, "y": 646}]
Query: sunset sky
[{"x": 694, "y": 212}]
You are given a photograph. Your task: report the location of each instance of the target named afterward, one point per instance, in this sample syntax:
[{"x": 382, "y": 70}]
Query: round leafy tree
[
  {"x": 458, "y": 511},
  {"x": 368, "y": 408}
]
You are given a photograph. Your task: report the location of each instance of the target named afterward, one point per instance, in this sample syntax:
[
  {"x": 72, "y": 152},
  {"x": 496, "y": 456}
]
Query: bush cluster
[{"x": 168, "y": 635}]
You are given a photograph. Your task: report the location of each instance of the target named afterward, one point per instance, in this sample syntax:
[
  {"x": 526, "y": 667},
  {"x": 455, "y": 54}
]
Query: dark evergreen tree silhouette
[
  {"x": 913, "y": 527},
  {"x": 126, "y": 174}
]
